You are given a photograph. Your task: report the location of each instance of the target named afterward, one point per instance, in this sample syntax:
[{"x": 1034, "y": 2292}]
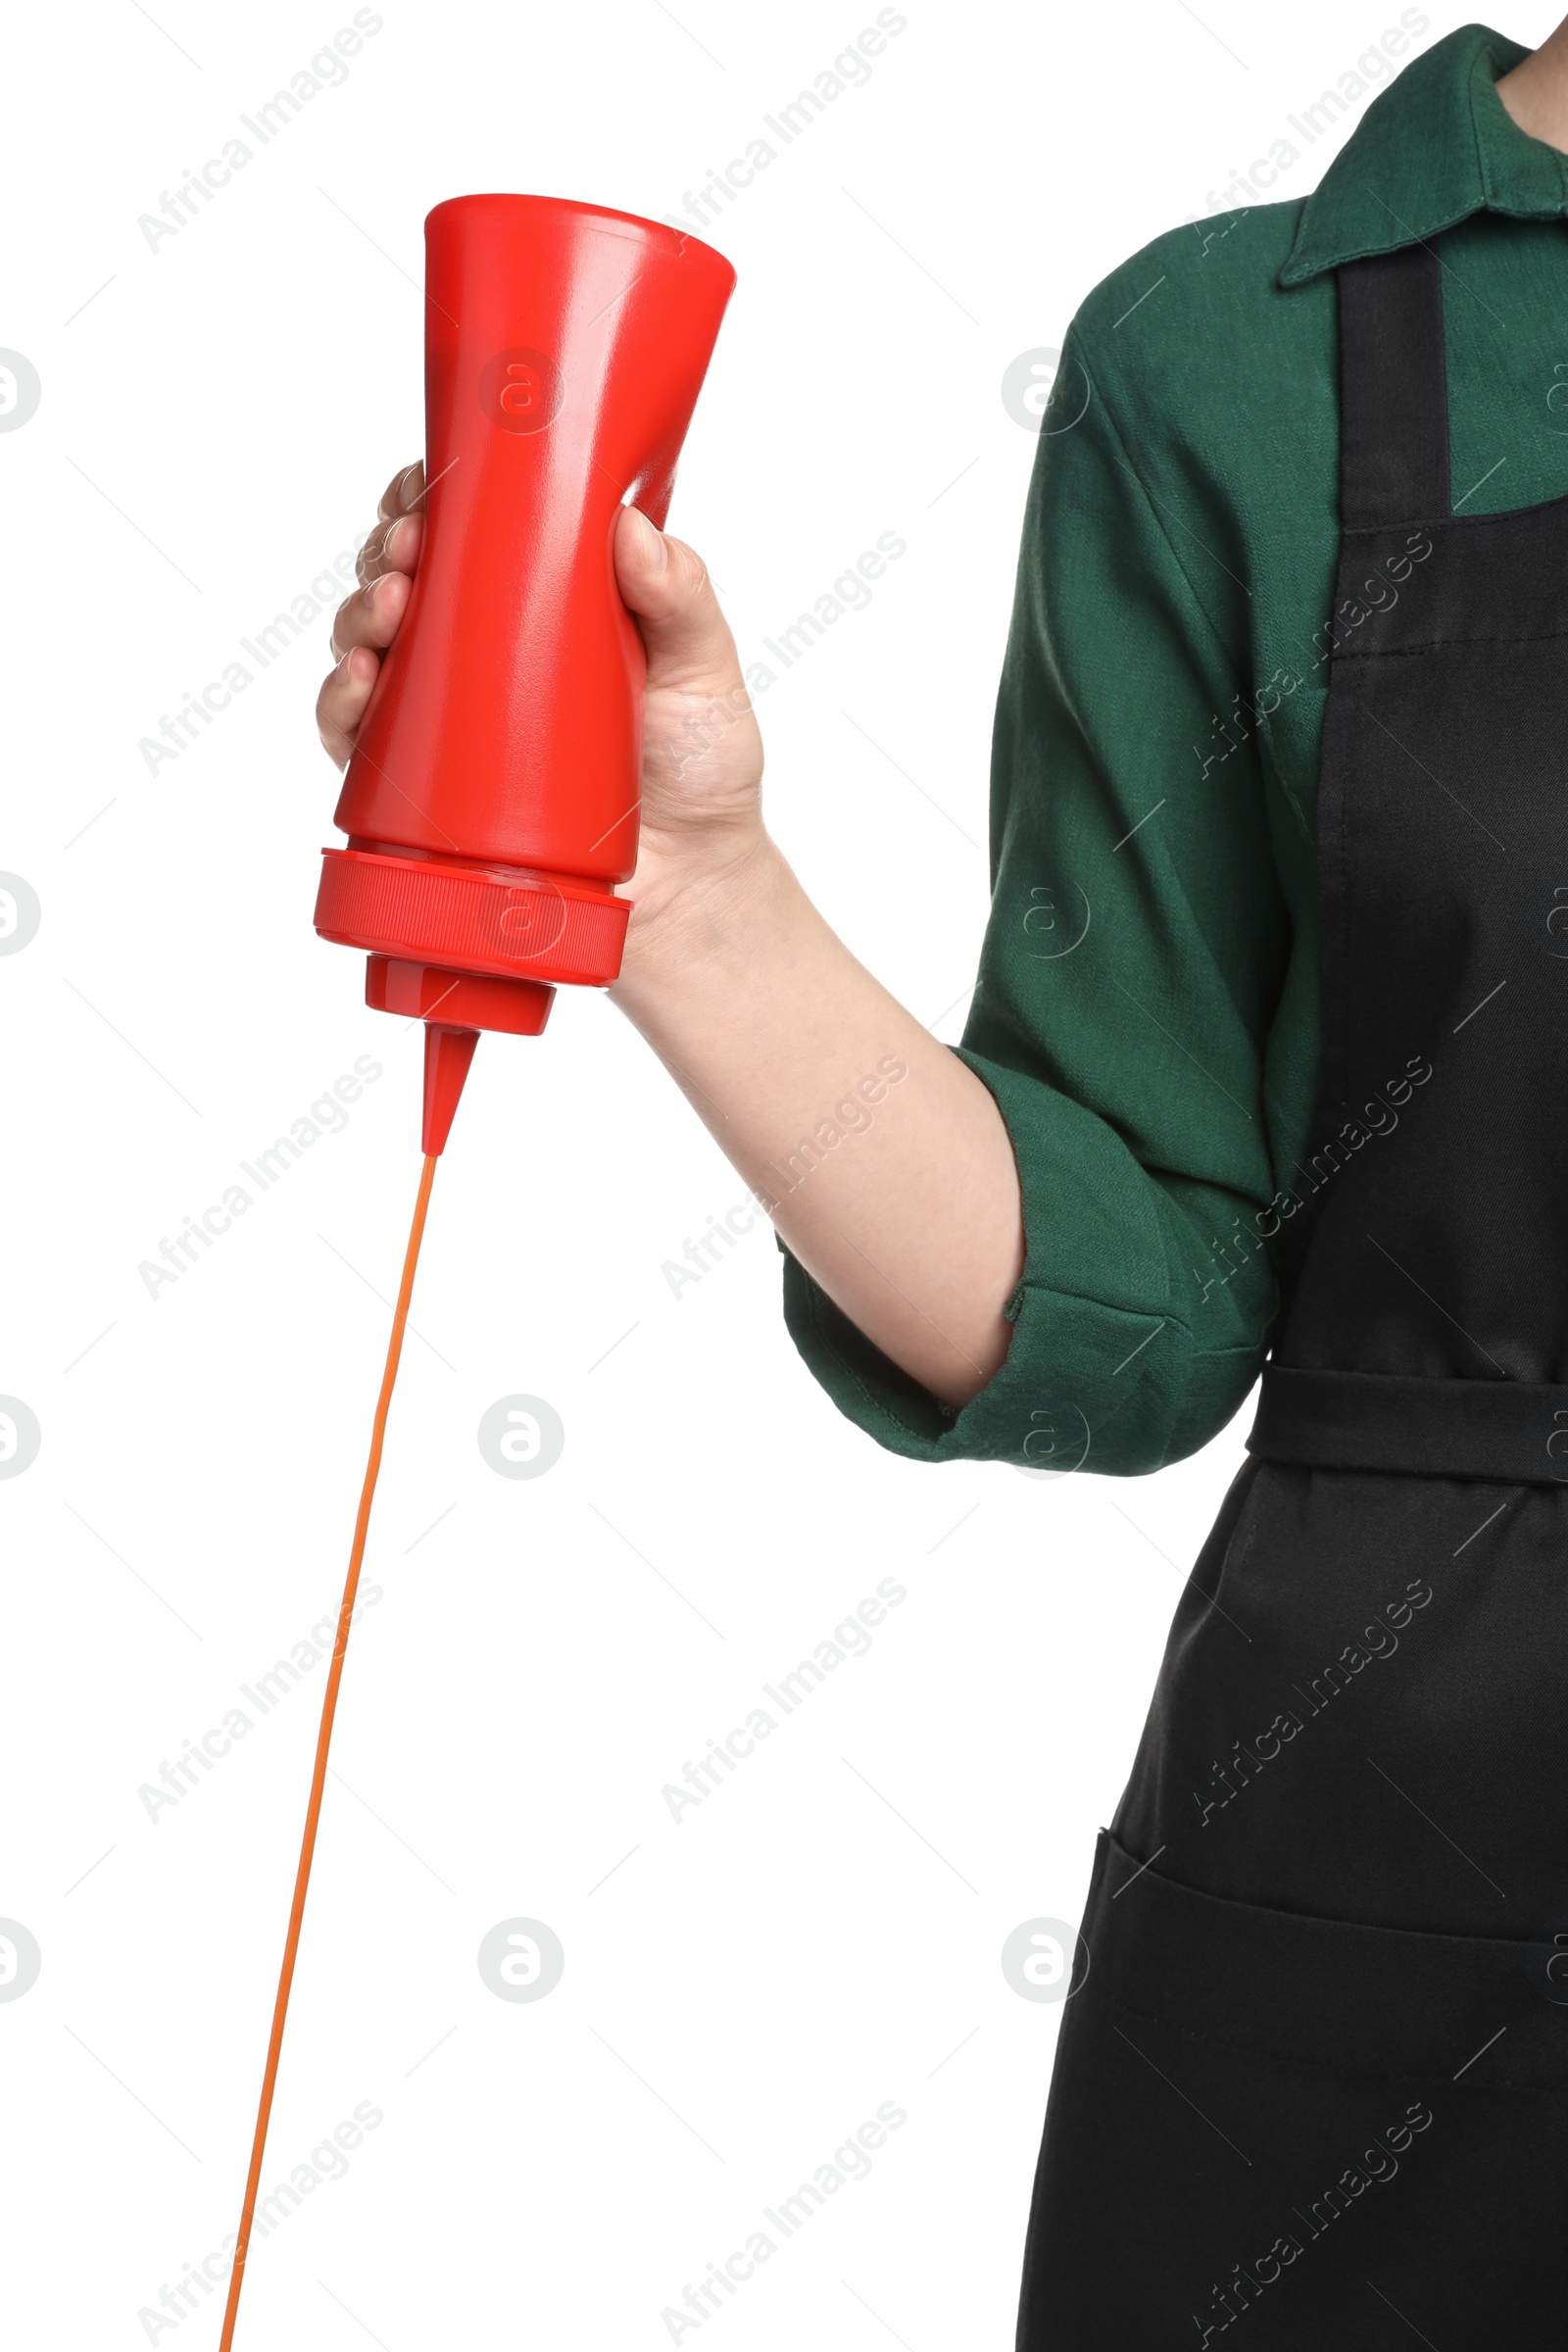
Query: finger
[
  {"x": 666, "y": 585},
  {"x": 402, "y": 498},
  {"x": 340, "y": 705},
  {"x": 390, "y": 547},
  {"x": 403, "y": 493},
  {"x": 370, "y": 615}
]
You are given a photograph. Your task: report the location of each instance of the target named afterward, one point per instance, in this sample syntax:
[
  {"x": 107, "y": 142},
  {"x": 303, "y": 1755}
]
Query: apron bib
[{"x": 1312, "y": 2087}]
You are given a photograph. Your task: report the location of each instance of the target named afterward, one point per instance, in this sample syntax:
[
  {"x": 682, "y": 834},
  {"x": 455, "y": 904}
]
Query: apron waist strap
[{"x": 1511, "y": 1431}]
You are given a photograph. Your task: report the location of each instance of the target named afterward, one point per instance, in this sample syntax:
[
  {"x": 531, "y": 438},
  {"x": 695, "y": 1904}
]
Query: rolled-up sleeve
[{"x": 1133, "y": 960}]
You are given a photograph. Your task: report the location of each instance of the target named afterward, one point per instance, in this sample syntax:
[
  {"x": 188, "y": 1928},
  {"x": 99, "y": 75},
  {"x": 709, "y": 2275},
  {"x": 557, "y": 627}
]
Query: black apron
[{"x": 1312, "y": 2084}]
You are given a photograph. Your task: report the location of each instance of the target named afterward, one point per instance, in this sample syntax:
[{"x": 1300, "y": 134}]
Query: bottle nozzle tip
[{"x": 448, "y": 1053}]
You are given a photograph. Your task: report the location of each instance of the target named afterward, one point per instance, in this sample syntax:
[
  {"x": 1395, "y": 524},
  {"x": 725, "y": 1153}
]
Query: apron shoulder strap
[{"x": 1394, "y": 392}]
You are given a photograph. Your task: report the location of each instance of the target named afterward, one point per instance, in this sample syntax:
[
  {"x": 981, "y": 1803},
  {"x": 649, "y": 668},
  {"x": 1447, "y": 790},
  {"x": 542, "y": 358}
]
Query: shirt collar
[{"x": 1435, "y": 147}]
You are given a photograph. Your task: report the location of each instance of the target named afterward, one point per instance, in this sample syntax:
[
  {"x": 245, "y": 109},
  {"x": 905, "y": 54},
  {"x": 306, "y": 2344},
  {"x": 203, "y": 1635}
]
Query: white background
[{"x": 822, "y": 1935}]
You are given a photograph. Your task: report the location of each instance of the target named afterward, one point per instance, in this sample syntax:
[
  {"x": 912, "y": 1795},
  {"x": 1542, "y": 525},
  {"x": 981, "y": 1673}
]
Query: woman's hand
[
  {"x": 912, "y": 1219},
  {"x": 367, "y": 621},
  {"x": 702, "y": 826}
]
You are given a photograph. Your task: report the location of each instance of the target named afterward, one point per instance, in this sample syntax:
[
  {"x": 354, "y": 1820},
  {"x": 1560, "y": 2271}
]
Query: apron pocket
[{"x": 1302, "y": 2130}]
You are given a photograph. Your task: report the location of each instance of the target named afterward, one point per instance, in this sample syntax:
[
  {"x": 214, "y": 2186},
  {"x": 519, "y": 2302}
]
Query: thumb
[{"x": 665, "y": 584}]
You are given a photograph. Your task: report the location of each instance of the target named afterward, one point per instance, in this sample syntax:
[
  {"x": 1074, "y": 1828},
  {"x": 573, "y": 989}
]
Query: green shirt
[{"x": 1148, "y": 1008}]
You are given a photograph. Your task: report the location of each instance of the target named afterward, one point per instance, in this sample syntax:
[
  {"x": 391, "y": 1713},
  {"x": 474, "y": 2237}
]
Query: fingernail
[
  {"x": 412, "y": 485},
  {"x": 656, "y": 553}
]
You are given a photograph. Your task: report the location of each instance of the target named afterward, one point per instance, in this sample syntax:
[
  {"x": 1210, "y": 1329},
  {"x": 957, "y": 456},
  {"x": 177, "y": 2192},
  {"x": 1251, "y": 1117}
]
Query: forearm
[{"x": 883, "y": 1159}]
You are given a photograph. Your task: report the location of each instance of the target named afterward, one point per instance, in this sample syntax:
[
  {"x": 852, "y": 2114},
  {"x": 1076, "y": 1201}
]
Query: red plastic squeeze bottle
[{"x": 492, "y": 802}]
